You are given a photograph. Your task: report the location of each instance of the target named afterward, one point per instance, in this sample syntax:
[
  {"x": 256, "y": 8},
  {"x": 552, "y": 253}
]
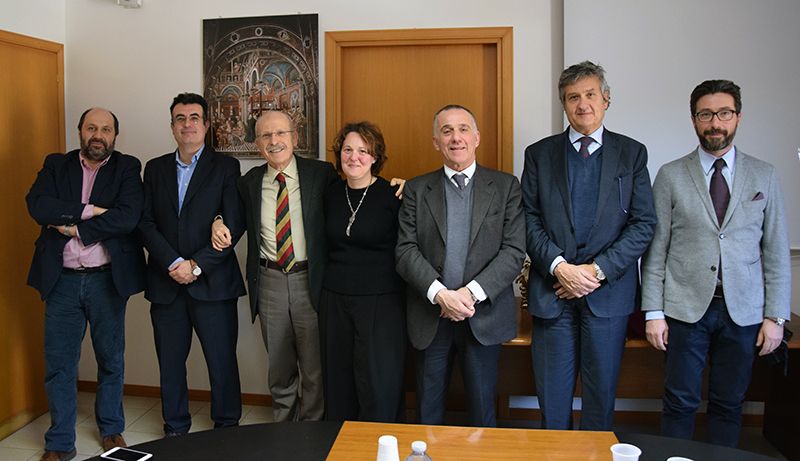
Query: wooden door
[
  {"x": 399, "y": 79},
  {"x": 31, "y": 126}
]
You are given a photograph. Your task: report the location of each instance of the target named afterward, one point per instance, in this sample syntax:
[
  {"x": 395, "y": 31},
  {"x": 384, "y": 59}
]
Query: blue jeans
[
  {"x": 74, "y": 300},
  {"x": 731, "y": 350}
]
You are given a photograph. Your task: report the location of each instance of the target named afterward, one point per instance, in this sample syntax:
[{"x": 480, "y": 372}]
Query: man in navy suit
[
  {"x": 590, "y": 216},
  {"x": 191, "y": 285},
  {"x": 85, "y": 266}
]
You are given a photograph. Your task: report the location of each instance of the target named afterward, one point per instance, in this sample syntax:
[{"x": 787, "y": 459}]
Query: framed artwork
[{"x": 251, "y": 65}]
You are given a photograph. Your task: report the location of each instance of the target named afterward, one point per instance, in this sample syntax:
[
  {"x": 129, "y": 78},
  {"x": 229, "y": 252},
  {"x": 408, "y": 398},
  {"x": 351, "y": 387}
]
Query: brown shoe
[
  {"x": 111, "y": 441},
  {"x": 58, "y": 455}
]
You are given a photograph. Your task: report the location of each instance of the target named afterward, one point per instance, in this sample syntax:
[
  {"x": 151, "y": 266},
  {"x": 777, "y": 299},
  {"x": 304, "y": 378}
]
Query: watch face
[{"x": 197, "y": 271}]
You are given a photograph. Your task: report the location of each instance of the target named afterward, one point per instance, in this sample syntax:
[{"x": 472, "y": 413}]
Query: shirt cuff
[
  {"x": 175, "y": 262},
  {"x": 559, "y": 259},
  {"x": 654, "y": 315},
  {"x": 87, "y": 212},
  {"x": 435, "y": 287},
  {"x": 477, "y": 291}
]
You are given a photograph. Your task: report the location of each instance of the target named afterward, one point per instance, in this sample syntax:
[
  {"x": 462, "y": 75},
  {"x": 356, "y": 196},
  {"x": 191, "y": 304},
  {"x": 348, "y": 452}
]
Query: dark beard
[
  {"x": 716, "y": 146},
  {"x": 96, "y": 154}
]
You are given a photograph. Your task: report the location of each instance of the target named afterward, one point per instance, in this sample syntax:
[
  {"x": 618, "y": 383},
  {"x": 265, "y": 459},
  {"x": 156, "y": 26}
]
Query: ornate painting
[{"x": 251, "y": 65}]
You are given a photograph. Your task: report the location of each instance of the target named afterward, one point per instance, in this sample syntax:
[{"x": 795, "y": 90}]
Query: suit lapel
[
  {"x": 435, "y": 200},
  {"x": 608, "y": 169},
  {"x": 76, "y": 173},
  {"x": 482, "y": 195},
  {"x": 307, "y": 185},
  {"x": 561, "y": 173},
  {"x": 102, "y": 177},
  {"x": 254, "y": 191},
  {"x": 204, "y": 166},
  {"x": 695, "y": 170},
  {"x": 739, "y": 180}
]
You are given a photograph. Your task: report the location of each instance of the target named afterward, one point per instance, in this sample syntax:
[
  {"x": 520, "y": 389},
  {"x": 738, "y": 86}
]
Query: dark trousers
[
  {"x": 478, "y": 364},
  {"x": 217, "y": 327},
  {"x": 364, "y": 356},
  {"x": 577, "y": 341},
  {"x": 730, "y": 350}
]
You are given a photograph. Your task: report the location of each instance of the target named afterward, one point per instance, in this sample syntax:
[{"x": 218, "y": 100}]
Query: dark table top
[
  {"x": 657, "y": 448},
  {"x": 312, "y": 441}
]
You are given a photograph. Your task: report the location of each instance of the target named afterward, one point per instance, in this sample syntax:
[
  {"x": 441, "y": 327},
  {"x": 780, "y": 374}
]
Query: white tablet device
[{"x": 125, "y": 454}]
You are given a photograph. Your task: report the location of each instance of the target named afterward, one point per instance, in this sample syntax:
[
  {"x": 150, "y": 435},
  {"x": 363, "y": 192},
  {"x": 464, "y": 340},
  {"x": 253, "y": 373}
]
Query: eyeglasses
[
  {"x": 278, "y": 134},
  {"x": 723, "y": 115},
  {"x": 193, "y": 119}
]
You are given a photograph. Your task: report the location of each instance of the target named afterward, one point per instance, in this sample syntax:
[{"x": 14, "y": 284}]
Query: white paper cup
[
  {"x": 678, "y": 458},
  {"x": 625, "y": 452},
  {"x": 387, "y": 448}
]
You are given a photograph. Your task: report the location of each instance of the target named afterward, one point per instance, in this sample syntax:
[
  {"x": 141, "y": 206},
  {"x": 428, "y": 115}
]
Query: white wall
[
  {"x": 42, "y": 19},
  {"x": 655, "y": 53},
  {"x": 135, "y": 61}
]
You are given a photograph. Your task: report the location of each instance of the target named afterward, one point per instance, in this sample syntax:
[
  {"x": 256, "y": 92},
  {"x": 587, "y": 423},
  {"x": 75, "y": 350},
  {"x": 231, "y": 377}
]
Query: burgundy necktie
[
  {"x": 585, "y": 141},
  {"x": 720, "y": 195}
]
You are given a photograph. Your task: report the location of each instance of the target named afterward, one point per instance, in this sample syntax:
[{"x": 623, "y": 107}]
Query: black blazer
[
  {"x": 315, "y": 177},
  {"x": 55, "y": 198},
  {"x": 167, "y": 235}
]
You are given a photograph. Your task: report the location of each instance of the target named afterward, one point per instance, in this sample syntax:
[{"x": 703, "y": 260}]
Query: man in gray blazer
[
  {"x": 718, "y": 269},
  {"x": 589, "y": 211},
  {"x": 460, "y": 246}
]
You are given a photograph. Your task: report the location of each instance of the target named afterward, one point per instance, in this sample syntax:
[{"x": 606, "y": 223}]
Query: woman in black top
[{"x": 362, "y": 314}]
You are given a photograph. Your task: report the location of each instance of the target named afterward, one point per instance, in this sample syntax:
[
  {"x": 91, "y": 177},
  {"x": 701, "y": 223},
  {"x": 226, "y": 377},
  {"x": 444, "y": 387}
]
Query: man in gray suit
[
  {"x": 460, "y": 246},
  {"x": 718, "y": 269}
]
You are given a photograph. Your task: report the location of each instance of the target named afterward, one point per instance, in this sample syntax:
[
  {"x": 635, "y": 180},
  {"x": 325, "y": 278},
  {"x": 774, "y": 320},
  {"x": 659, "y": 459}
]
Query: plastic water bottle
[{"x": 418, "y": 452}]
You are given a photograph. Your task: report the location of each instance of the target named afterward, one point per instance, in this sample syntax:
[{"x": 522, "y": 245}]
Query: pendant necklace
[{"x": 353, "y": 212}]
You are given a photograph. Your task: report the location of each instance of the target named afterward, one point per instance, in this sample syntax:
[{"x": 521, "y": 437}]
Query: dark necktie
[
  {"x": 585, "y": 141},
  {"x": 720, "y": 195},
  {"x": 461, "y": 180}
]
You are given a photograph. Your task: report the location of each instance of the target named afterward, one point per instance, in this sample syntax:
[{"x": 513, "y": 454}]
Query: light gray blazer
[
  {"x": 679, "y": 270},
  {"x": 494, "y": 259}
]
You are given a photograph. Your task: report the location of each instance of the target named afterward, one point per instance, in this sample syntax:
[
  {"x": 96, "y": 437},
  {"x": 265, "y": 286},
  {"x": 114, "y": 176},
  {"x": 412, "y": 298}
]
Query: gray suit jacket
[
  {"x": 495, "y": 256},
  {"x": 315, "y": 177},
  {"x": 679, "y": 270}
]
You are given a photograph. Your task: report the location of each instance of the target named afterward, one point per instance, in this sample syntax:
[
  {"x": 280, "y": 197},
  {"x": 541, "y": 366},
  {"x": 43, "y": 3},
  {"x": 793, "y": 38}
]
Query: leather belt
[
  {"x": 87, "y": 270},
  {"x": 298, "y": 266},
  {"x": 718, "y": 293}
]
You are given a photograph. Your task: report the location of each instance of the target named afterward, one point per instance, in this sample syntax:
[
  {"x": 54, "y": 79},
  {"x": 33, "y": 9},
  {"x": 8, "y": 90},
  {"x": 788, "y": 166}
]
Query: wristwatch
[
  {"x": 779, "y": 321},
  {"x": 66, "y": 229},
  {"x": 196, "y": 271},
  {"x": 600, "y": 274}
]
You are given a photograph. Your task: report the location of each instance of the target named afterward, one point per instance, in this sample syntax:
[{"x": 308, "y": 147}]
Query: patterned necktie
[
  {"x": 461, "y": 180},
  {"x": 585, "y": 141},
  {"x": 720, "y": 195},
  {"x": 283, "y": 227}
]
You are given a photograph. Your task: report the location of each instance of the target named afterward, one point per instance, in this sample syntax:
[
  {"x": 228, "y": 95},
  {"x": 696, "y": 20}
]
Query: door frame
[{"x": 500, "y": 37}]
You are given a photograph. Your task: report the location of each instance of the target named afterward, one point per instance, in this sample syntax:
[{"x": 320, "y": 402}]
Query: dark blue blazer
[
  {"x": 55, "y": 198},
  {"x": 167, "y": 235},
  {"x": 624, "y": 222}
]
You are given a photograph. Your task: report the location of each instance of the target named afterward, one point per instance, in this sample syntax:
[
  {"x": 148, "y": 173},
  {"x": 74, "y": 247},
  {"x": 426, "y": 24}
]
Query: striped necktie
[
  {"x": 283, "y": 227},
  {"x": 585, "y": 141}
]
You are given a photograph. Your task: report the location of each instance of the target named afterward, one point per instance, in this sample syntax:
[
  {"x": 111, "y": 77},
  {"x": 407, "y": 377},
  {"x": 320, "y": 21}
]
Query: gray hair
[
  {"x": 581, "y": 70},
  {"x": 452, "y": 107}
]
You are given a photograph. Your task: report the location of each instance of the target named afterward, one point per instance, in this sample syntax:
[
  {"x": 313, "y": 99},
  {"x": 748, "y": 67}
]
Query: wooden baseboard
[{"x": 264, "y": 400}]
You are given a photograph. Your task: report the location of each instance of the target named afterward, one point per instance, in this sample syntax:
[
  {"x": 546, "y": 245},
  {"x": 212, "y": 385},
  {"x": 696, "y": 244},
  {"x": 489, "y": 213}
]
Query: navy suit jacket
[
  {"x": 168, "y": 235},
  {"x": 315, "y": 177},
  {"x": 55, "y": 198},
  {"x": 624, "y": 222}
]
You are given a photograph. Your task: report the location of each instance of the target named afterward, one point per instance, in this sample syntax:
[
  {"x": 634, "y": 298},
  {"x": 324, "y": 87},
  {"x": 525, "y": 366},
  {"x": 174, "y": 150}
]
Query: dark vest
[{"x": 584, "y": 187}]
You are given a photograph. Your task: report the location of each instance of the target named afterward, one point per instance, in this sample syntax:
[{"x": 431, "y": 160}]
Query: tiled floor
[{"x": 143, "y": 423}]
